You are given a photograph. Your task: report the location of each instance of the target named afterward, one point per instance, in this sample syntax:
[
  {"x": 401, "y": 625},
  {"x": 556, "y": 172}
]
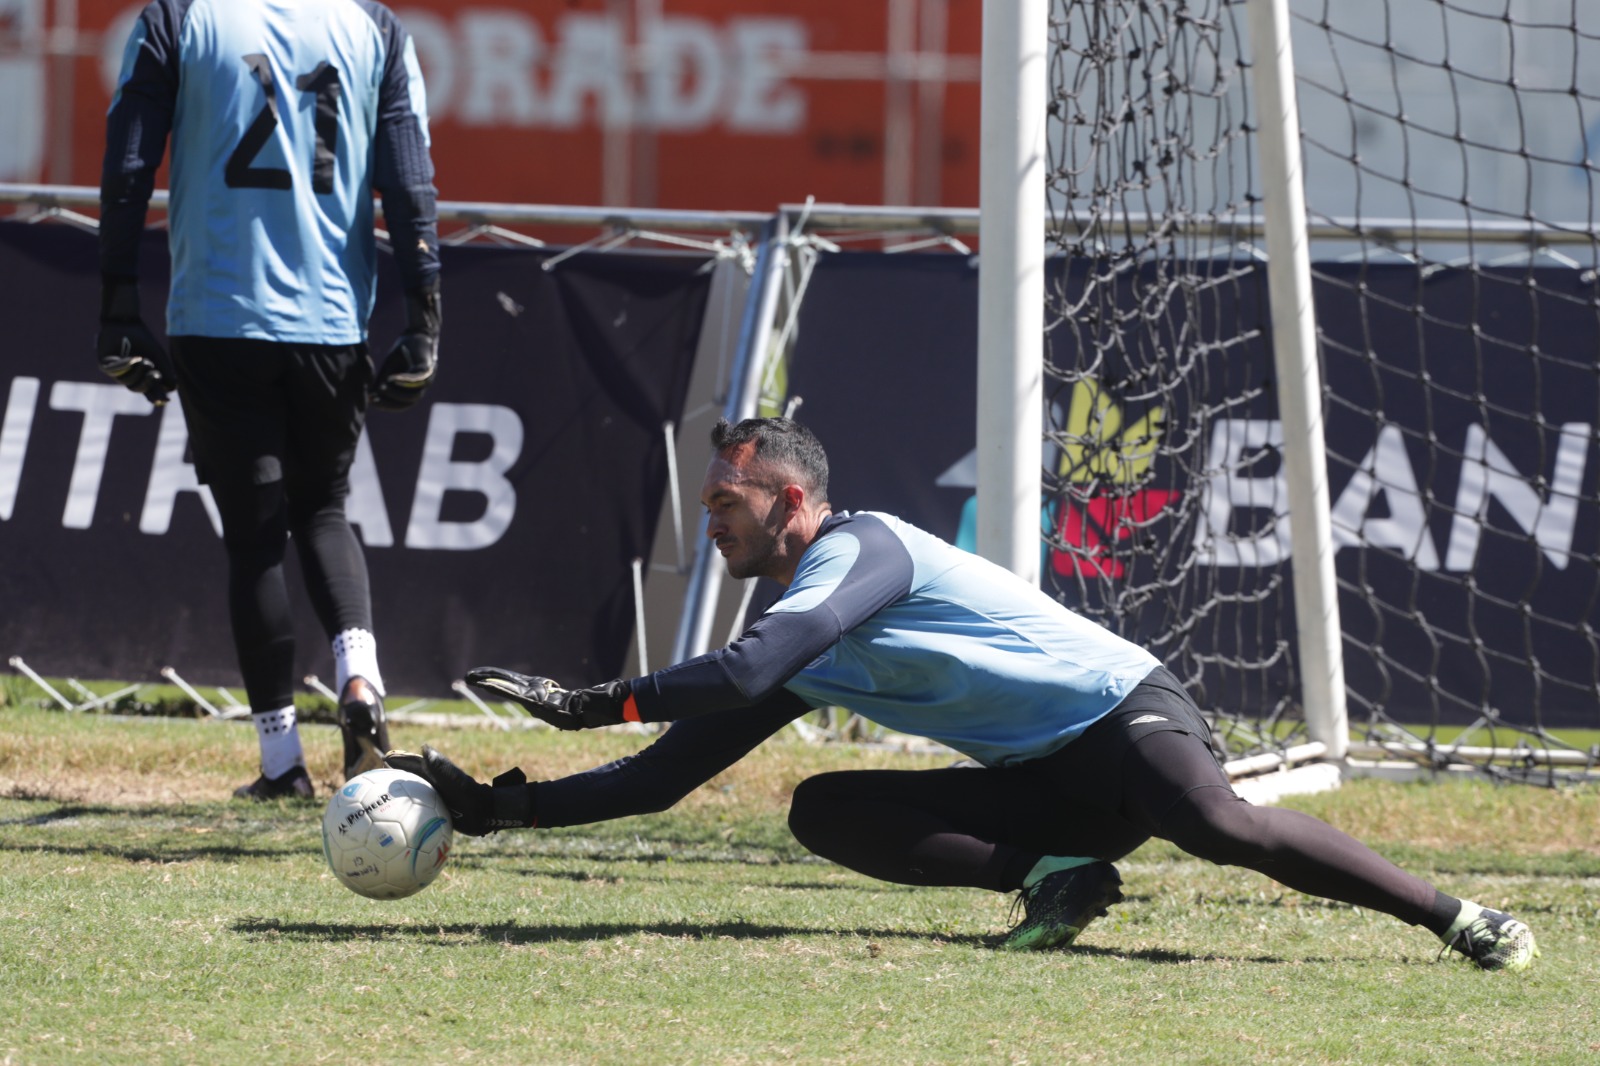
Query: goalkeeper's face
[{"x": 747, "y": 516}]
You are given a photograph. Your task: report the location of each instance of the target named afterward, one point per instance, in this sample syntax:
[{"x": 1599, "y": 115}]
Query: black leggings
[
  {"x": 275, "y": 428},
  {"x": 257, "y": 521},
  {"x": 985, "y": 828}
]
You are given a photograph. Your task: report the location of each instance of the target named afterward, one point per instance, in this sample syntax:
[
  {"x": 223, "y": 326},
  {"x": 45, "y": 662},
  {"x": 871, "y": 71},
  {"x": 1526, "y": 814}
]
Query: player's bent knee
[{"x": 818, "y": 803}]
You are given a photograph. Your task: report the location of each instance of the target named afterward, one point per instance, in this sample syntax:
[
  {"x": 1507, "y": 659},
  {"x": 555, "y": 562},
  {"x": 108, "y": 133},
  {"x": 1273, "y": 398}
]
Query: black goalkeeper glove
[
  {"x": 126, "y": 348},
  {"x": 411, "y": 364},
  {"x": 476, "y": 809},
  {"x": 583, "y": 708}
]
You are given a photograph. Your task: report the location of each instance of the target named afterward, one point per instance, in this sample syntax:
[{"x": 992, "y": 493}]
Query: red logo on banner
[
  {"x": 1091, "y": 529},
  {"x": 1103, "y": 459}
]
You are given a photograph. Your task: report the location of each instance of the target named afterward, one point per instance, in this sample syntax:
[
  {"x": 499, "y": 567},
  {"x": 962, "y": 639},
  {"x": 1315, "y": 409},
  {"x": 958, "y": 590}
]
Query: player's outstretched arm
[
  {"x": 476, "y": 809},
  {"x": 583, "y": 708},
  {"x": 683, "y": 758}
]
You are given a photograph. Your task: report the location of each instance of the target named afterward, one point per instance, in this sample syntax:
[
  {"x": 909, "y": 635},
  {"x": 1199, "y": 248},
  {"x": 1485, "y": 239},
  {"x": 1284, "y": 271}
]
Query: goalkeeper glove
[
  {"x": 126, "y": 348},
  {"x": 411, "y": 364},
  {"x": 584, "y": 708},
  {"x": 476, "y": 809}
]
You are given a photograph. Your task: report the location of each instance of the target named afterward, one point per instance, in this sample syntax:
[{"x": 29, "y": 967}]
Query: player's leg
[
  {"x": 327, "y": 400},
  {"x": 969, "y": 826},
  {"x": 231, "y": 395},
  {"x": 984, "y": 828},
  {"x": 1173, "y": 786}
]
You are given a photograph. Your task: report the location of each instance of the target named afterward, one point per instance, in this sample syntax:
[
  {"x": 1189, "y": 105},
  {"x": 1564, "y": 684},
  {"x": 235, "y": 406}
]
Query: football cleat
[
  {"x": 365, "y": 731},
  {"x": 1495, "y": 941},
  {"x": 1061, "y": 905},
  {"x": 293, "y": 784}
]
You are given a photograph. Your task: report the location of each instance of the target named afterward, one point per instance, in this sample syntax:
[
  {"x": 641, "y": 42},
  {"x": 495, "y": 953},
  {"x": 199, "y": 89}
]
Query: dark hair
[{"x": 782, "y": 443}]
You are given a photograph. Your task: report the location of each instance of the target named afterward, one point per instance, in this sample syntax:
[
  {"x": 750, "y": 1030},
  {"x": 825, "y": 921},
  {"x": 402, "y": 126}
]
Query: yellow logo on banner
[{"x": 1098, "y": 447}]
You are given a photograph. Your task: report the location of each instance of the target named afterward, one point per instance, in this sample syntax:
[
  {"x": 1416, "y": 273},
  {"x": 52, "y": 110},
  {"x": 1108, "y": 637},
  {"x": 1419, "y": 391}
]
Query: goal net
[{"x": 1451, "y": 182}]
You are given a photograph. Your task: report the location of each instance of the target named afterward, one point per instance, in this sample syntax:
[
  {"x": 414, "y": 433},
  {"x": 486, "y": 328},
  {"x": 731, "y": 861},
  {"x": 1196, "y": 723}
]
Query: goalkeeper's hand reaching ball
[
  {"x": 476, "y": 809},
  {"x": 582, "y": 708}
]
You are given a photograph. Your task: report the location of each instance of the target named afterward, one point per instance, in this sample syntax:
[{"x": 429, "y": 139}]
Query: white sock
[
  {"x": 280, "y": 741},
  {"x": 355, "y": 654}
]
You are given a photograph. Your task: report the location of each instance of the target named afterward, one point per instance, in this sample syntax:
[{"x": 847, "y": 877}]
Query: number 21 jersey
[{"x": 274, "y": 108}]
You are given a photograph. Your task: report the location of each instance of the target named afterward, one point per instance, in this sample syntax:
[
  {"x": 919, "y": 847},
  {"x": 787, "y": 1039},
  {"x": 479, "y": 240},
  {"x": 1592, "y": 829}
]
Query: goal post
[
  {"x": 1299, "y": 379},
  {"x": 1011, "y": 262}
]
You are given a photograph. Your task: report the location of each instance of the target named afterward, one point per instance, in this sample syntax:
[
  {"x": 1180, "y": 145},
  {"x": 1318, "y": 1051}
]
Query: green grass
[{"x": 143, "y": 918}]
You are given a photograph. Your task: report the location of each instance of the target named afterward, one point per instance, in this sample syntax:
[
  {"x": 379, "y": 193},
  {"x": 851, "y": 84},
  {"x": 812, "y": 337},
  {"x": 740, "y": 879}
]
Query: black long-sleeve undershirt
[{"x": 689, "y": 754}]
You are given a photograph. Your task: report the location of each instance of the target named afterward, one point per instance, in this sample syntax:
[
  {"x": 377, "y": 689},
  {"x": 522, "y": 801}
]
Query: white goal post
[
  {"x": 1011, "y": 261},
  {"x": 1294, "y": 346}
]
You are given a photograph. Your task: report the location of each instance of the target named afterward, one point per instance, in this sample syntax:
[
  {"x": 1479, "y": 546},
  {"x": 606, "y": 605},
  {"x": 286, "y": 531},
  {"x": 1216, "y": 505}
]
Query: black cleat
[
  {"x": 1062, "y": 904},
  {"x": 365, "y": 731},
  {"x": 293, "y": 784}
]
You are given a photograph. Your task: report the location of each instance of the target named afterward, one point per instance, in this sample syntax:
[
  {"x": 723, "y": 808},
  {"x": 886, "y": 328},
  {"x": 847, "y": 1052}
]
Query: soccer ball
[{"x": 386, "y": 834}]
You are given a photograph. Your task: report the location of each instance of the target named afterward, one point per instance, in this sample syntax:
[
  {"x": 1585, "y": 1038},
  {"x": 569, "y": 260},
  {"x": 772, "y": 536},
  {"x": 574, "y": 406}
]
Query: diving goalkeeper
[{"x": 1087, "y": 746}]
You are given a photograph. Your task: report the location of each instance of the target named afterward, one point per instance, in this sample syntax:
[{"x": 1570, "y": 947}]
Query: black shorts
[
  {"x": 261, "y": 411},
  {"x": 1094, "y": 761},
  {"x": 1158, "y": 704}
]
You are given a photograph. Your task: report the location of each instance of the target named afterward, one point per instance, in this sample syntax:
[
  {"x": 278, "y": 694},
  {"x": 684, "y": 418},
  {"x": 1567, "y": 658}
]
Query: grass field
[{"x": 144, "y": 918}]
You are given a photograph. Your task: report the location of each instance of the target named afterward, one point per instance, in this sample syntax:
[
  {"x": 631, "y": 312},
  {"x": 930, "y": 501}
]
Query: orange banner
[{"x": 703, "y": 104}]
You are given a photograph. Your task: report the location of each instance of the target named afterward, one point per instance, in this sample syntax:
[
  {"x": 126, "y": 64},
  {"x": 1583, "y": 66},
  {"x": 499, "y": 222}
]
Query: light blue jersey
[
  {"x": 275, "y": 109},
  {"x": 921, "y": 637},
  {"x": 970, "y": 655}
]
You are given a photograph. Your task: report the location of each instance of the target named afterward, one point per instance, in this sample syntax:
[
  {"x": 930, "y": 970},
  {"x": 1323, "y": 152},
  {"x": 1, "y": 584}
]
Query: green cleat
[
  {"x": 1495, "y": 941},
  {"x": 1061, "y": 905}
]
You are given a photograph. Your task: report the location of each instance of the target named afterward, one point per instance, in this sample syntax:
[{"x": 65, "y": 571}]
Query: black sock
[
  {"x": 1442, "y": 914},
  {"x": 1016, "y": 870}
]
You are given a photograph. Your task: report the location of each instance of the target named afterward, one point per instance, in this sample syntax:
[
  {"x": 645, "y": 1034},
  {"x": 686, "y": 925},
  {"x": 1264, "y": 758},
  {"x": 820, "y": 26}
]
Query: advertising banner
[
  {"x": 697, "y": 104},
  {"x": 1462, "y": 461},
  {"x": 500, "y": 517}
]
